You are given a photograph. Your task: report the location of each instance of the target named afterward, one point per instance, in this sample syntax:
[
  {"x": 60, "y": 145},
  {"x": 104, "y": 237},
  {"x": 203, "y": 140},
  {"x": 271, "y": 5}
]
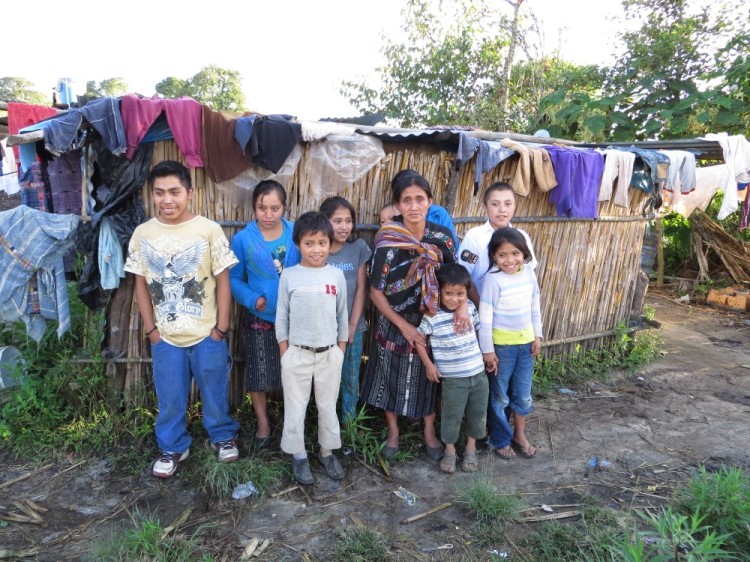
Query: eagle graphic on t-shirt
[{"x": 173, "y": 287}]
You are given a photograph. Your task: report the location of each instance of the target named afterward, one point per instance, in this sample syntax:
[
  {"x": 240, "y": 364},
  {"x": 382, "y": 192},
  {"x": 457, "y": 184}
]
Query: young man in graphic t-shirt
[{"x": 181, "y": 264}]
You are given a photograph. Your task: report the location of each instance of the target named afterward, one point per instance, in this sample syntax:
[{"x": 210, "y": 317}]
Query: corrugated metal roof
[{"x": 703, "y": 149}]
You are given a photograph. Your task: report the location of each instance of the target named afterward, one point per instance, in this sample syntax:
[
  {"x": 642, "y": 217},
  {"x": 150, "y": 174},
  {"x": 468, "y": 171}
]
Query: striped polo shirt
[{"x": 456, "y": 355}]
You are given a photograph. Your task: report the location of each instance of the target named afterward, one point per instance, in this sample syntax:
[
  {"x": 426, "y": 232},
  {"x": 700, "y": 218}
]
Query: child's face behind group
[
  {"x": 314, "y": 248},
  {"x": 508, "y": 258},
  {"x": 386, "y": 214},
  {"x": 452, "y": 296},
  {"x": 500, "y": 206},
  {"x": 172, "y": 199}
]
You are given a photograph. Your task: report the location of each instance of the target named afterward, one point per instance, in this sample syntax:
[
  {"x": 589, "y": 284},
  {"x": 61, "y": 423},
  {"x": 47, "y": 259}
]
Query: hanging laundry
[
  {"x": 272, "y": 141},
  {"x": 708, "y": 180},
  {"x": 64, "y": 175},
  {"x": 489, "y": 154},
  {"x": 34, "y": 243},
  {"x": 681, "y": 170},
  {"x": 745, "y": 219},
  {"x": 579, "y": 174},
  {"x": 657, "y": 163},
  {"x": 317, "y": 130},
  {"x": 34, "y": 192},
  {"x": 618, "y": 171},
  {"x": 117, "y": 188},
  {"x": 21, "y": 115},
  {"x": 223, "y": 159},
  {"x": 64, "y": 132},
  {"x": 243, "y": 130},
  {"x": 467, "y": 148},
  {"x": 535, "y": 168},
  {"x": 736, "y": 151},
  {"x": 27, "y": 153},
  {"x": 8, "y": 158},
  {"x": 111, "y": 260},
  {"x": 183, "y": 115}
]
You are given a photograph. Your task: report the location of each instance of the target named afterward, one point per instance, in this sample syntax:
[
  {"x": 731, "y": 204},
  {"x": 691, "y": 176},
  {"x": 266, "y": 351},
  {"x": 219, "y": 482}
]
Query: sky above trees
[{"x": 291, "y": 54}]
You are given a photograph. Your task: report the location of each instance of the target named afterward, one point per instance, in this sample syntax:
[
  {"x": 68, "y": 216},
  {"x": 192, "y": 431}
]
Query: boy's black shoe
[
  {"x": 332, "y": 467},
  {"x": 301, "y": 470}
]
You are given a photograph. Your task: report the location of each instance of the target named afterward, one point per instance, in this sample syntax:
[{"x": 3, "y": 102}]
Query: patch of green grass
[
  {"x": 218, "y": 479},
  {"x": 490, "y": 510},
  {"x": 722, "y": 499},
  {"x": 359, "y": 544},
  {"x": 626, "y": 351},
  {"x": 145, "y": 540},
  {"x": 366, "y": 433},
  {"x": 588, "y": 539},
  {"x": 675, "y": 537},
  {"x": 485, "y": 504},
  {"x": 361, "y": 437},
  {"x": 61, "y": 404}
]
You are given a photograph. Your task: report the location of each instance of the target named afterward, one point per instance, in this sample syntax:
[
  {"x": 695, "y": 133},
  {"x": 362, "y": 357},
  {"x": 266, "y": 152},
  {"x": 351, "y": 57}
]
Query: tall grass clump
[
  {"x": 722, "y": 499},
  {"x": 627, "y": 351},
  {"x": 359, "y": 544},
  {"x": 490, "y": 510},
  {"x": 60, "y": 405},
  {"x": 145, "y": 539}
]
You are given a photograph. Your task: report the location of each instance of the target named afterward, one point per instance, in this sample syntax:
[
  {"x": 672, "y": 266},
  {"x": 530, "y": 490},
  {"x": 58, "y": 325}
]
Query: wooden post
[
  {"x": 118, "y": 337},
  {"x": 450, "y": 191},
  {"x": 659, "y": 252}
]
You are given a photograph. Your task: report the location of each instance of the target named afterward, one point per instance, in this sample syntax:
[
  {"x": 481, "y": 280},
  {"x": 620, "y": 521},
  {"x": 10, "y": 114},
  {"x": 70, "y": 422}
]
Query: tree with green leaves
[
  {"x": 456, "y": 67},
  {"x": 15, "y": 88},
  {"x": 218, "y": 88},
  {"x": 172, "y": 87},
  {"x": 442, "y": 72},
  {"x": 108, "y": 88},
  {"x": 672, "y": 79}
]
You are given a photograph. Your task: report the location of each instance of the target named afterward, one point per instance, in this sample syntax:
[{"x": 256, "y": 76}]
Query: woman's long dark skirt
[
  {"x": 262, "y": 361},
  {"x": 395, "y": 379}
]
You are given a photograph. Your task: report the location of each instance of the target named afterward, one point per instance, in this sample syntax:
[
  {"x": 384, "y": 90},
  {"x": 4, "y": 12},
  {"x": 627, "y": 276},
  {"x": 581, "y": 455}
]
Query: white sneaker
[
  {"x": 227, "y": 450},
  {"x": 166, "y": 465}
]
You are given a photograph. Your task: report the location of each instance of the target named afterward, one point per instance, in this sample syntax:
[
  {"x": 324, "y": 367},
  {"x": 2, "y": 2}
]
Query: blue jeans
[
  {"x": 209, "y": 363},
  {"x": 350, "y": 378},
  {"x": 510, "y": 386}
]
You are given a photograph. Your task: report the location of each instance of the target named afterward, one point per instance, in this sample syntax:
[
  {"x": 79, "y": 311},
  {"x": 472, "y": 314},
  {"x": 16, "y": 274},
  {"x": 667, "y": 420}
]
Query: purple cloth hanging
[{"x": 578, "y": 173}]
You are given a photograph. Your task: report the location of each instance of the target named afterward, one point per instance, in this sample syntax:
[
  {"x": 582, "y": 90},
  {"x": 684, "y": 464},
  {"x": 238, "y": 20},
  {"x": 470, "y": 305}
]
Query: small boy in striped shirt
[{"x": 456, "y": 362}]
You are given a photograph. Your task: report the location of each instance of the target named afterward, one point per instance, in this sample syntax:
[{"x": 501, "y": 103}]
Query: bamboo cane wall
[{"x": 587, "y": 269}]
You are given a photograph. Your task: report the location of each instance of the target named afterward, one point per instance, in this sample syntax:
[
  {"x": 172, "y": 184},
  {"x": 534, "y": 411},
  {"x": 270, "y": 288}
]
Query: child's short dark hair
[
  {"x": 453, "y": 274},
  {"x": 310, "y": 223},
  {"x": 498, "y": 186},
  {"x": 167, "y": 168}
]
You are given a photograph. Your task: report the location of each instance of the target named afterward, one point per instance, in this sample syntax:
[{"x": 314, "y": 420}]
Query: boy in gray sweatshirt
[{"x": 312, "y": 328}]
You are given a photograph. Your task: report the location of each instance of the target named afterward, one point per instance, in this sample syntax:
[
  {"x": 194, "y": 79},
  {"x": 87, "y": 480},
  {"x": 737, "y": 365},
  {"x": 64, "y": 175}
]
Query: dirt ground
[{"x": 653, "y": 427}]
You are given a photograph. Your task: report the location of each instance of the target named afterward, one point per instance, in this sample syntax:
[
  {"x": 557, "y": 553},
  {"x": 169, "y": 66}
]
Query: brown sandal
[
  {"x": 448, "y": 463},
  {"x": 527, "y": 452},
  {"x": 506, "y": 452},
  {"x": 469, "y": 463}
]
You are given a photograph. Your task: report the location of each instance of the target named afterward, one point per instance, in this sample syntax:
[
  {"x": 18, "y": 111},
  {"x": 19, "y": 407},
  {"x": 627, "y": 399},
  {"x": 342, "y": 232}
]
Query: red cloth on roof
[
  {"x": 183, "y": 117},
  {"x": 22, "y": 115}
]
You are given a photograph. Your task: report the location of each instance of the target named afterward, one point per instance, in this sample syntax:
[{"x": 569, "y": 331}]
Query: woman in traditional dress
[{"x": 403, "y": 287}]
